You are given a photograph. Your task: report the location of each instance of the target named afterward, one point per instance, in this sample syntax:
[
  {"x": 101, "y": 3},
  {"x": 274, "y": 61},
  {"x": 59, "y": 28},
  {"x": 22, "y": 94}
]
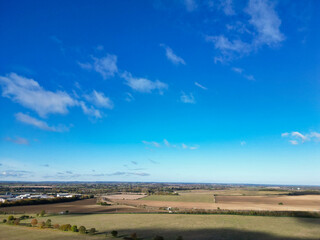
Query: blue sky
[{"x": 185, "y": 91}]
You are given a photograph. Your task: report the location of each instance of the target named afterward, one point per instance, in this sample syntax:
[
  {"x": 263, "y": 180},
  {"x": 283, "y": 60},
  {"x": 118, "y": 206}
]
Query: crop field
[
  {"x": 80, "y": 206},
  {"x": 231, "y": 200},
  {"x": 223, "y": 227}
]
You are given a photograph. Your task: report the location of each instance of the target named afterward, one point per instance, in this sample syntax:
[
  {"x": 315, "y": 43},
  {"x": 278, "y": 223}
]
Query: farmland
[{"x": 170, "y": 226}]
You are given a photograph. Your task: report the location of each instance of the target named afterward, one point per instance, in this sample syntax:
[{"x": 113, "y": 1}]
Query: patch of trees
[
  {"x": 24, "y": 202},
  {"x": 254, "y": 213},
  {"x": 306, "y": 192}
]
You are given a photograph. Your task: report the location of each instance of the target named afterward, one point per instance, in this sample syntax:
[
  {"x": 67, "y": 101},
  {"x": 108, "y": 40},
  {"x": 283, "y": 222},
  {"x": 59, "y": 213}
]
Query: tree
[
  {"x": 65, "y": 227},
  {"x": 16, "y": 221},
  {"x": 56, "y": 226},
  {"x": 48, "y": 223},
  {"x": 42, "y": 224},
  {"x": 114, "y": 233},
  {"x": 34, "y": 222},
  {"x": 42, "y": 213},
  {"x": 92, "y": 231},
  {"x": 82, "y": 230},
  {"x": 134, "y": 236},
  {"x": 74, "y": 228},
  {"x": 4, "y": 220},
  {"x": 158, "y": 238},
  {"x": 10, "y": 218}
]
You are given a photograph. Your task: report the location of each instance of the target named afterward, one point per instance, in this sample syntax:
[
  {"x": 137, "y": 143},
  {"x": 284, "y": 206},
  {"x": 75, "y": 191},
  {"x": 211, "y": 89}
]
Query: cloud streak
[
  {"x": 172, "y": 56},
  {"x": 26, "y": 119}
]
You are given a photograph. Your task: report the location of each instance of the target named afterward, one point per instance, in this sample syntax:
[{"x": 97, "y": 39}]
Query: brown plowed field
[{"x": 81, "y": 206}]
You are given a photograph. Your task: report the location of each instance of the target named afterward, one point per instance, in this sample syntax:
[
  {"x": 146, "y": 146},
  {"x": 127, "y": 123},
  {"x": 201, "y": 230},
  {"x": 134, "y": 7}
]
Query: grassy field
[
  {"x": 182, "y": 197},
  {"x": 170, "y": 226}
]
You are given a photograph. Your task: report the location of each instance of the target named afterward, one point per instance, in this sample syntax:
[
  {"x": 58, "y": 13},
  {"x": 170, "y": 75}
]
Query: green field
[
  {"x": 182, "y": 197},
  {"x": 170, "y": 226}
]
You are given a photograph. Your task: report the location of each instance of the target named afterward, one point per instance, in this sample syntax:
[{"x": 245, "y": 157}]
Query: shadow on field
[
  {"x": 203, "y": 234},
  {"x": 315, "y": 221}
]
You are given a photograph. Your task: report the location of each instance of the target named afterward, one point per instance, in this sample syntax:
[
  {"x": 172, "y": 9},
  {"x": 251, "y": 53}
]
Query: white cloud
[
  {"x": 237, "y": 70},
  {"x": 227, "y": 46},
  {"x": 18, "y": 140},
  {"x": 184, "y": 146},
  {"x": 99, "y": 100},
  {"x": 129, "y": 97},
  {"x": 105, "y": 66},
  {"x": 266, "y": 21},
  {"x": 30, "y": 94},
  {"x": 241, "y": 72},
  {"x": 264, "y": 25},
  {"x": 297, "y": 137},
  {"x": 91, "y": 111},
  {"x": 187, "y": 98},
  {"x": 15, "y": 173},
  {"x": 200, "y": 86},
  {"x": 155, "y": 144},
  {"x": 227, "y": 7},
  {"x": 142, "y": 84},
  {"x": 26, "y": 119},
  {"x": 172, "y": 56},
  {"x": 166, "y": 142},
  {"x": 242, "y": 143},
  {"x": 294, "y": 142},
  {"x": 190, "y": 5}
]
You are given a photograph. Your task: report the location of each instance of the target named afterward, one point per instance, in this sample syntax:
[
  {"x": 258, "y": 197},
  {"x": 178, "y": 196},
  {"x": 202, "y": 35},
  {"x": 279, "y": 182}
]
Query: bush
[
  {"x": 48, "y": 223},
  {"x": 179, "y": 238},
  {"x": 10, "y": 218},
  {"x": 82, "y": 230},
  {"x": 92, "y": 231},
  {"x": 74, "y": 228},
  {"x": 280, "y": 203},
  {"x": 158, "y": 238},
  {"x": 16, "y": 221},
  {"x": 114, "y": 233},
  {"x": 41, "y": 224},
  {"x": 56, "y": 226},
  {"x": 24, "y": 217},
  {"x": 42, "y": 213},
  {"x": 4, "y": 220},
  {"x": 134, "y": 236},
  {"x": 65, "y": 227},
  {"x": 34, "y": 222}
]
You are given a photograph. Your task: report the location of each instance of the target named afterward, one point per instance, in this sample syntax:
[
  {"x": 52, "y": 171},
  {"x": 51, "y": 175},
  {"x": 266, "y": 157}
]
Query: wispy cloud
[
  {"x": 18, "y": 140},
  {"x": 134, "y": 162},
  {"x": 90, "y": 111},
  {"x": 105, "y": 66},
  {"x": 172, "y": 56},
  {"x": 142, "y": 84},
  {"x": 200, "y": 86},
  {"x": 15, "y": 173},
  {"x": 298, "y": 138},
  {"x": 190, "y": 5},
  {"x": 30, "y": 94},
  {"x": 99, "y": 99},
  {"x": 265, "y": 25},
  {"x": 184, "y": 146},
  {"x": 227, "y": 7},
  {"x": 242, "y": 73},
  {"x": 26, "y": 119},
  {"x": 119, "y": 173},
  {"x": 155, "y": 144},
  {"x": 129, "y": 97},
  {"x": 266, "y": 21},
  {"x": 187, "y": 98}
]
